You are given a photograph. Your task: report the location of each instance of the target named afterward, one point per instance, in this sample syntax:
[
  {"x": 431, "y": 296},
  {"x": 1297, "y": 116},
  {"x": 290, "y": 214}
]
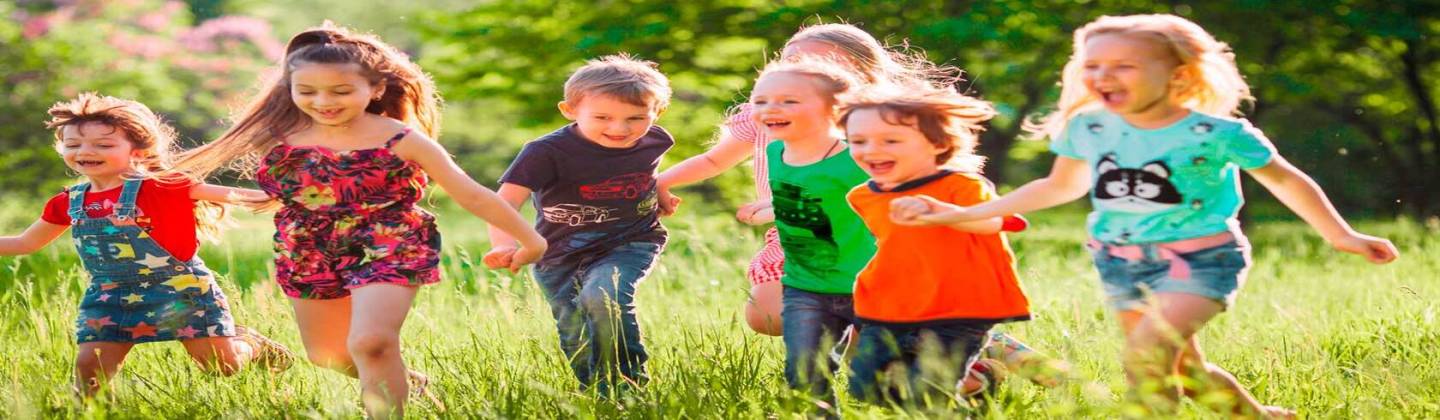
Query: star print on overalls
[{"x": 126, "y": 264}]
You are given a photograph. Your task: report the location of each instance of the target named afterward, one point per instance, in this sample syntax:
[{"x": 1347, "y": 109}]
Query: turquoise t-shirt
[
  {"x": 1177, "y": 182},
  {"x": 825, "y": 242}
]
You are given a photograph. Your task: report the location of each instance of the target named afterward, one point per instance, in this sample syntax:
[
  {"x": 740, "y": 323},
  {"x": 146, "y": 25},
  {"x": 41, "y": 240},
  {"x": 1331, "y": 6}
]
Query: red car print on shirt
[{"x": 628, "y": 186}]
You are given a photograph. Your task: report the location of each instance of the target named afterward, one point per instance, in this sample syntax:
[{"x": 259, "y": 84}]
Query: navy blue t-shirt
[{"x": 590, "y": 198}]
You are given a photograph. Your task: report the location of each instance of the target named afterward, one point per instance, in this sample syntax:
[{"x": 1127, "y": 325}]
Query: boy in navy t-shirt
[{"x": 593, "y": 184}]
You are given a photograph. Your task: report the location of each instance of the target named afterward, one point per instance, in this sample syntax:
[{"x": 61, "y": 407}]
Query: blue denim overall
[{"x": 139, "y": 292}]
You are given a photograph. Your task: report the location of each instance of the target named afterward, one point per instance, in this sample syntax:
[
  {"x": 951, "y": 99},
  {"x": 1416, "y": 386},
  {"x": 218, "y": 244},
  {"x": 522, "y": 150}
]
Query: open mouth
[
  {"x": 1113, "y": 97},
  {"x": 775, "y": 124},
  {"x": 89, "y": 163},
  {"x": 879, "y": 166}
]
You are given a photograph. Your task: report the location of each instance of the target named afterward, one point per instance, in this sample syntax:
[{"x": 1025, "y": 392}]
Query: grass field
[{"x": 1328, "y": 334}]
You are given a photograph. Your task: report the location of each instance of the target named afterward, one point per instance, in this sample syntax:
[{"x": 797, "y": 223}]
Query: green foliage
[{"x": 145, "y": 50}]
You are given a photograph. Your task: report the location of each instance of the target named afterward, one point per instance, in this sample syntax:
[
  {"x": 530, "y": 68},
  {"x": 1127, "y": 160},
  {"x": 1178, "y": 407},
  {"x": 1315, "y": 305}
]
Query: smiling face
[
  {"x": 792, "y": 107},
  {"x": 97, "y": 151},
  {"x": 892, "y": 154},
  {"x": 332, "y": 94},
  {"x": 1129, "y": 74},
  {"x": 608, "y": 121}
]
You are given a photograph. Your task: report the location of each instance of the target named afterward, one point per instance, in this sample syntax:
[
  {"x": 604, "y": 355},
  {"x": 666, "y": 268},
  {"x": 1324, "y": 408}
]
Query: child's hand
[
  {"x": 924, "y": 210},
  {"x": 668, "y": 202},
  {"x": 755, "y": 213},
  {"x": 499, "y": 257},
  {"x": 255, "y": 202},
  {"x": 525, "y": 255},
  {"x": 1377, "y": 250}
]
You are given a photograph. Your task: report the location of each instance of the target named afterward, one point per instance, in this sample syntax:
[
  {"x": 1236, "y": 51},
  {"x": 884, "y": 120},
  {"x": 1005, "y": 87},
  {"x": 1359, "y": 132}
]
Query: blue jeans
[
  {"x": 812, "y": 323},
  {"x": 1217, "y": 273},
  {"x": 936, "y": 356},
  {"x": 593, "y": 301}
]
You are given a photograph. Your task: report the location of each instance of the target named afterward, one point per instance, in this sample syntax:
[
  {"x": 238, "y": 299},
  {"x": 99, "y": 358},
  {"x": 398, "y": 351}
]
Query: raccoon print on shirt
[{"x": 1144, "y": 190}]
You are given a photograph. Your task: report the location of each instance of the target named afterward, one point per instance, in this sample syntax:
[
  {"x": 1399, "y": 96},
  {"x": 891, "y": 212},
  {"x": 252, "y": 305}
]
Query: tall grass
[{"x": 1326, "y": 333}]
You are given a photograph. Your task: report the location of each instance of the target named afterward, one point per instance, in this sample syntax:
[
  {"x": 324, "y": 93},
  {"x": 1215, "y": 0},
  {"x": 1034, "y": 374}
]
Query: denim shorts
[{"x": 1217, "y": 273}]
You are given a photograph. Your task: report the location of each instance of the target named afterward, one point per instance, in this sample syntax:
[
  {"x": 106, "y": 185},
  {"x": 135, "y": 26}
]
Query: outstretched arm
[
  {"x": 727, "y": 153},
  {"x": 252, "y": 199},
  {"x": 1069, "y": 179},
  {"x": 502, "y": 245},
  {"x": 472, "y": 196},
  {"x": 1306, "y": 199},
  {"x": 38, "y": 235}
]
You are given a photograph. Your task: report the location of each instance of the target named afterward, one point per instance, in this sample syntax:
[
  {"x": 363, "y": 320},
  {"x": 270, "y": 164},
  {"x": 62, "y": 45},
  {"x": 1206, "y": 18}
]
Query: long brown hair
[
  {"x": 147, "y": 133},
  {"x": 409, "y": 96}
]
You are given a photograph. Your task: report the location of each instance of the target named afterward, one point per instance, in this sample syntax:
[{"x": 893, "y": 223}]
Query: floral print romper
[{"x": 349, "y": 219}]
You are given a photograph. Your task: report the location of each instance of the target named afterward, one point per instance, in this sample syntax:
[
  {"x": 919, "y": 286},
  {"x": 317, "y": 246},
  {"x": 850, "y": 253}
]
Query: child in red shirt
[
  {"x": 931, "y": 289},
  {"x": 137, "y": 239}
]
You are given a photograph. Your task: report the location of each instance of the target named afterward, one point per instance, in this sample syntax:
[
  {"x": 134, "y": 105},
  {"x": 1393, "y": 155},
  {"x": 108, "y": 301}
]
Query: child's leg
[
  {"x": 1015, "y": 356},
  {"x": 324, "y": 326},
  {"x": 378, "y": 312},
  {"x": 557, "y": 282},
  {"x": 809, "y": 327},
  {"x": 222, "y": 355},
  {"x": 1156, "y": 345},
  {"x": 762, "y": 310},
  {"x": 96, "y": 363},
  {"x": 608, "y": 299},
  {"x": 943, "y": 357},
  {"x": 876, "y": 349}
]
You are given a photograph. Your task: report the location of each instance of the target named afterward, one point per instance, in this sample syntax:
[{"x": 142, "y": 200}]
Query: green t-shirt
[
  {"x": 1176, "y": 182},
  {"x": 825, "y": 242}
]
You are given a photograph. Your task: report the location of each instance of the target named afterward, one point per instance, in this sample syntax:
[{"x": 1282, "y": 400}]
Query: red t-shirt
[{"x": 163, "y": 210}]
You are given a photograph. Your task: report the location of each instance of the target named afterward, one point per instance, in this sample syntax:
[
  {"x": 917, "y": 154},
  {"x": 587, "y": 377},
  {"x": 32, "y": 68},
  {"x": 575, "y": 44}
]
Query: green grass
[{"x": 1326, "y": 333}]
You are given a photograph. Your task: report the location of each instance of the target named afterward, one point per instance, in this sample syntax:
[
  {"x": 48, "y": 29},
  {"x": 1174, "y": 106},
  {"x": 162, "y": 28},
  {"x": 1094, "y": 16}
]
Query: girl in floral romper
[
  {"x": 344, "y": 139},
  {"x": 136, "y": 235}
]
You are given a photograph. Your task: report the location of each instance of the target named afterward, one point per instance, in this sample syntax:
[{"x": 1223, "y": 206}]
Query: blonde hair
[
  {"x": 622, "y": 77},
  {"x": 409, "y": 96},
  {"x": 147, "y": 133},
  {"x": 1214, "y": 84},
  {"x": 947, "y": 118},
  {"x": 873, "y": 62},
  {"x": 829, "y": 76}
]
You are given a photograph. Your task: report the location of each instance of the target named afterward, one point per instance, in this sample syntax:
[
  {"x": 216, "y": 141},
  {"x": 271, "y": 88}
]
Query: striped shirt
[{"x": 742, "y": 127}]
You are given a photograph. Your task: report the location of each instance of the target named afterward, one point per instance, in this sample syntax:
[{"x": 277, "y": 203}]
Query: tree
[{"x": 141, "y": 50}]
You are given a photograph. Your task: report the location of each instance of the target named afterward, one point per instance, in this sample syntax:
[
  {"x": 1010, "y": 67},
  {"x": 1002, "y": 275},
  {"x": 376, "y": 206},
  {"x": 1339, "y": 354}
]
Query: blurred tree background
[{"x": 1345, "y": 88}]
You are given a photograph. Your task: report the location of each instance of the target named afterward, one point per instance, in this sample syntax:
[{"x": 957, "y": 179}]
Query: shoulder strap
[
  {"x": 126, "y": 207},
  {"x": 391, "y": 143},
  {"x": 76, "y": 209}
]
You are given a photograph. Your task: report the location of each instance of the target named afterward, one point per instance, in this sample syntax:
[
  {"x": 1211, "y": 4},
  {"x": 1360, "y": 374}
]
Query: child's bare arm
[
  {"x": 1306, "y": 199},
  {"x": 1069, "y": 180},
  {"x": 472, "y": 196},
  {"x": 38, "y": 235},
  {"x": 252, "y": 199},
  {"x": 918, "y": 210},
  {"x": 727, "y": 153},
  {"x": 502, "y": 245}
]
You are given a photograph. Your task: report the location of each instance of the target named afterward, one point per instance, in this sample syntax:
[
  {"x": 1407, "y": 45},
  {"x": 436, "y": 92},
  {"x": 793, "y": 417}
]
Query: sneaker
[
  {"x": 269, "y": 353},
  {"x": 988, "y": 372},
  {"x": 420, "y": 388}
]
